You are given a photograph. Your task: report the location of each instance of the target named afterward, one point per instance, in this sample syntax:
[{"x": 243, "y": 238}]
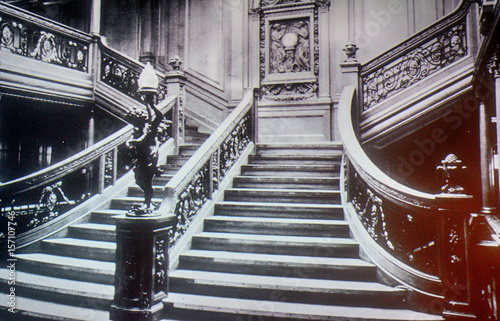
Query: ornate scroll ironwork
[
  {"x": 161, "y": 262},
  {"x": 29, "y": 40},
  {"x": 190, "y": 200},
  {"x": 413, "y": 66},
  {"x": 231, "y": 148},
  {"x": 198, "y": 191},
  {"x": 124, "y": 78},
  {"x": 402, "y": 232}
]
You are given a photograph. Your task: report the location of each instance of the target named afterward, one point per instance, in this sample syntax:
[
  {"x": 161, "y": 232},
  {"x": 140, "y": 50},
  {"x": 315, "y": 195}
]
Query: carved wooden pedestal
[{"x": 141, "y": 267}]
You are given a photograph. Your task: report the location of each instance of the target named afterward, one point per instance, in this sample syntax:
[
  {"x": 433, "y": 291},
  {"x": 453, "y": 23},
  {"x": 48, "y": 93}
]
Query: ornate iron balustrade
[
  {"x": 418, "y": 237},
  {"x": 440, "y": 45},
  {"x": 26, "y": 34},
  {"x": 122, "y": 73},
  {"x": 43, "y": 196},
  {"x": 195, "y": 183}
]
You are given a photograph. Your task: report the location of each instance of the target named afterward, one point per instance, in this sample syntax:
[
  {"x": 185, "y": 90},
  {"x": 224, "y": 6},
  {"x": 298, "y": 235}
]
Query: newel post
[
  {"x": 176, "y": 82},
  {"x": 142, "y": 234},
  {"x": 351, "y": 77}
]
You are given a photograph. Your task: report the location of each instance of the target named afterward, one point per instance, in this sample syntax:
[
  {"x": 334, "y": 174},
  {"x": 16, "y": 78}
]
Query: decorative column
[
  {"x": 176, "y": 81},
  {"x": 91, "y": 129},
  {"x": 95, "y": 17},
  {"x": 142, "y": 234}
]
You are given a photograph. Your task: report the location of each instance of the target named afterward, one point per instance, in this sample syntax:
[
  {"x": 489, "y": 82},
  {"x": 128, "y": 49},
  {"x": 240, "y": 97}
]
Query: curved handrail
[
  {"x": 79, "y": 160},
  {"x": 402, "y": 229},
  {"x": 376, "y": 178}
]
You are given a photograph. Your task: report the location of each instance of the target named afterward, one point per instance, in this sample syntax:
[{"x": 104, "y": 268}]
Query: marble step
[
  {"x": 232, "y": 309},
  {"x": 276, "y": 244},
  {"x": 282, "y": 195},
  {"x": 278, "y": 265},
  {"x": 277, "y": 226},
  {"x": 280, "y": 210}
]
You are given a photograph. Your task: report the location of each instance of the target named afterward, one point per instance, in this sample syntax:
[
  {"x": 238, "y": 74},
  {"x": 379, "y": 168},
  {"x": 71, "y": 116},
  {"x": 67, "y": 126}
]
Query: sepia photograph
[{"x": 249, "y": 160}]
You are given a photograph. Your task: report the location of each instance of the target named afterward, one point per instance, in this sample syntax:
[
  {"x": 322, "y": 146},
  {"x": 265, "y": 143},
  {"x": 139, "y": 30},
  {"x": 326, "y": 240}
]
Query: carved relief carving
[
  {"x": 289, "y": 46},
  {"x": 289, "y": 92},
  {"x": 161, "y": 263}
]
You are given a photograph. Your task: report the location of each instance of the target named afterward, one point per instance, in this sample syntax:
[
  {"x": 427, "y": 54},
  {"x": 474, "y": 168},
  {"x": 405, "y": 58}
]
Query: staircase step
[
  {"x": 287, "y": 289},
  {"x": 326, "y": 183},
  {"x": 106, "y": 216},
  {"x": 276, "y": 244},
  {"x": 78, "y": 248},
  {"x": 124, "y": 203},
  {"x": 67, "y": 267},
  {"x": 284, "y": 210},
  {"x": 177, "y": 159},
  {"x": 300, "y": 149},
  {"x": 58, "y": 290},
  {"x": 136, "y": 191},
  {"x": 162, "y": 180},
  {"x": 33, "y": 309},
  {"x": 282, "y": 195},
  {"x": 296, "y": 159},
  {"x": 277, "y": 226},
  {"x": 290, "y": 170},
  {"x": 93, "y": 231},
  {"x": 231, "y": 309},
  {"x": 278, "y": 265},
  {"x": 188, "y": 149}
]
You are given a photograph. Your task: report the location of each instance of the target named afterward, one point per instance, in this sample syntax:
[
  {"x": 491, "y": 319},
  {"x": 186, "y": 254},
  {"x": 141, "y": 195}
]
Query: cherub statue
[{"x": 145, "y": 142}]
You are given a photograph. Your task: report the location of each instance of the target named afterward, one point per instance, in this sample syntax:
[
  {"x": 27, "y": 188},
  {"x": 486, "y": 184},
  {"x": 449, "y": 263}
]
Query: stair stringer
[
  {"x": 207, "y": 210},
  {"x": 58, "y": 227}
]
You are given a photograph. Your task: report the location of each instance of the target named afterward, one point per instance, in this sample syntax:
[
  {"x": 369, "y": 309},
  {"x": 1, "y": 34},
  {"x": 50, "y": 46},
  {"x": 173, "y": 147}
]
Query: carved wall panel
[{"x": 289, "y": 50}]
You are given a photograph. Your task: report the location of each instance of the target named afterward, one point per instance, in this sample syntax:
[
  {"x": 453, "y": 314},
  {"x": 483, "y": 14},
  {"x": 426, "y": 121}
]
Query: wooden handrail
[{"x": 377, "y": 179}]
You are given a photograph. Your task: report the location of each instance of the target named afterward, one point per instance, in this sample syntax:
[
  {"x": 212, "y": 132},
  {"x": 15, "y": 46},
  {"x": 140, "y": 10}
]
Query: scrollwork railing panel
[
  {"x": 30, "y": 36},
  {"x": 204, "y": 172},
  {"x": 122, "y": 73},
  {"x": 418, "y": 64},
  {"x": 434, "y": 48}
]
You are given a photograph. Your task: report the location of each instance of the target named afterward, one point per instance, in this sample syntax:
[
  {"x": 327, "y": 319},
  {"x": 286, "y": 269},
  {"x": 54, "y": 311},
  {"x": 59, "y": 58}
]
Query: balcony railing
[
  {"x": 440, "y": 45},
  {"x": 23, "y": 33},
  {"x": 419, "y": 238}
]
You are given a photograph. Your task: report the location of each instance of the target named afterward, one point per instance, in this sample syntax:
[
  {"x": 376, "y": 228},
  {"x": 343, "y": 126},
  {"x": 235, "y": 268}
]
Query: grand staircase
[
  {"x": 71, "y": 277},
  {"x": 278, "y": 248}
]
